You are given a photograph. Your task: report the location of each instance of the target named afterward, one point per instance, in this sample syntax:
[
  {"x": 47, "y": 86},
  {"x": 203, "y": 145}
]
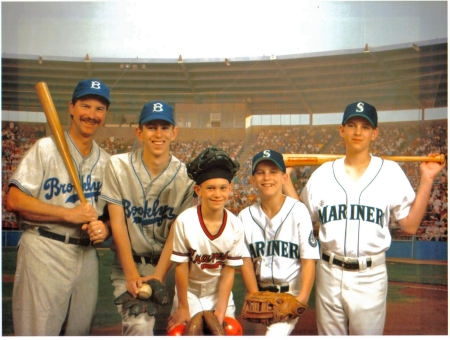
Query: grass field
[{"x": 107, "y": 316}]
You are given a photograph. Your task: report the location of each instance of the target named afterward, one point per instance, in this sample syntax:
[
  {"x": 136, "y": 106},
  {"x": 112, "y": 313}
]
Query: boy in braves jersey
[
  {"x": 353, "y": 200},
  {"x": 56, "y": 277},
  {"x": 146, "y": 189},
  {"x": 281, "y": 248},
  {"x": 208, "y": 242}
]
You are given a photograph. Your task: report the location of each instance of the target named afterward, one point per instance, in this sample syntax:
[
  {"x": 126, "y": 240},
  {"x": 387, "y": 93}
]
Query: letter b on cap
[
  {"x": 158, "y": 107},
  {"x": 95, "y": 85}
]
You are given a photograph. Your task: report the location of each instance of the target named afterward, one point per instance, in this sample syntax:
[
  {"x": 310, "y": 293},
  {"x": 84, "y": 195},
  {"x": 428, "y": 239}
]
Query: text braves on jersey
[{"x": 213, "y": 260}]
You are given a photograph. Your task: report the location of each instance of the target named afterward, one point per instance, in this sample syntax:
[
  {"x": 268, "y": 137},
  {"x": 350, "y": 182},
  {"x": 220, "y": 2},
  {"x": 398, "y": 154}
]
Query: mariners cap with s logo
[
  {"x": 156, "y": 110},
  {"x": 269, "y": 155},
  {"x": 361, "y": 109},
  {"x": 91, "y": 86}
]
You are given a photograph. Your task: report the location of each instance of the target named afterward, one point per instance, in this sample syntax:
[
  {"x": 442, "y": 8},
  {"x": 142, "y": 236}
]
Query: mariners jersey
[
  {"x": 207, "y": 253},
  {"x": 354, "y": 215},
  {"x": 43, "y": 175},
  {"x": 150, "y": 204},
  {"x": 277, "y": 245}
]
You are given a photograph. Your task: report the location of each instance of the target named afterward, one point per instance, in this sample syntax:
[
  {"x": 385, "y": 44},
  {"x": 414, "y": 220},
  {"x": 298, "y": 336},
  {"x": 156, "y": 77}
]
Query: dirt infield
[
  {"x": 426, "y": 312},
  {"x": 417, "y": 299},
  {"x": 423, "y": 311}
]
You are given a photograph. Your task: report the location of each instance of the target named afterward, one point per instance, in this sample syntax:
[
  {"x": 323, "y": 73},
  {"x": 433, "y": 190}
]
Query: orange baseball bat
[
  {"x": 295, "y": 159},
  {"x": 55, "y": 126}
]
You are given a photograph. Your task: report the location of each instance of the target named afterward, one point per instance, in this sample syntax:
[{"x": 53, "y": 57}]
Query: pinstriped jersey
[
  {"x": 150, "y": 204},
  {"x": 354, "y": 215},
  {"x": 277, "y": 245},
  {"x": 207, "y": 253},
  {"x": 43, "y": 175}
]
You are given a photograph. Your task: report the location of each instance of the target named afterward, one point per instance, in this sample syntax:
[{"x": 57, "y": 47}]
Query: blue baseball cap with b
[
  {"x": 269, "y": 155},
  {"x": 361, "y": 109},
  {"x": 156, "y": 110},
  {"x": 91, "y": 86}
]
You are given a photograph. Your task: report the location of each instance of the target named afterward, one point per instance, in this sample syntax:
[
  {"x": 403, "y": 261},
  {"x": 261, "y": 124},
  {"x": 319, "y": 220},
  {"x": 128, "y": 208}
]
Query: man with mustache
[{"x": 56, "y": 280}]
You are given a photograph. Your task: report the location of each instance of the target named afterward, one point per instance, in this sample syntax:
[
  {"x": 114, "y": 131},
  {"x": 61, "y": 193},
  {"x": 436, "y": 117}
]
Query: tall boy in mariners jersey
[
  {"x": 56, "y": 277},
  {"x": 281, "y": 248},
  {"x": 208, "y": 242},
  {"x": 353, "y": 200},
  {"x": 146, "y": 189}
]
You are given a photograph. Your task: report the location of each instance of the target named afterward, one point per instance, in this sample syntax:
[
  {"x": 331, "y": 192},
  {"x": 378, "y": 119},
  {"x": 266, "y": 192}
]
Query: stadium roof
[{"x": 392, "y": 77}]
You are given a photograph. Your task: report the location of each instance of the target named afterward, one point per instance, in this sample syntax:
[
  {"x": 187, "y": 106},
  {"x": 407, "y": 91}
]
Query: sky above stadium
[{"x": 212, "y": 29}]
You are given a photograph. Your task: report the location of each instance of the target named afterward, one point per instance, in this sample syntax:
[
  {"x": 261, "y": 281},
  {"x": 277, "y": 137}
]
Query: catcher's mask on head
[{"x": 212, "y": 163}]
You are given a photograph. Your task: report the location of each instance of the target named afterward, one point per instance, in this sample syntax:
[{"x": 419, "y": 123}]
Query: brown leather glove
[
  {"x": 268, "y": 307},
  {"x": 204, "y": 323}
]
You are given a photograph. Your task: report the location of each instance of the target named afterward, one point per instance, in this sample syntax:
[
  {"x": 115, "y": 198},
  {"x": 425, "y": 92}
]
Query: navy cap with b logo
[
  {"x": 156, "y": 110},
  {"x": 91, "y": 86},
  {"x": 269, "y": 155},
  {"x": 361, "y": 109}
]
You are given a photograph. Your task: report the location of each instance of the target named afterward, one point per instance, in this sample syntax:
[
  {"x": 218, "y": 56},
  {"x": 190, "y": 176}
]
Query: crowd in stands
[
  {"x": 114, "y": 145},
  {"x": 17, "y": 138},
  {"x": 395, "y": 139}
]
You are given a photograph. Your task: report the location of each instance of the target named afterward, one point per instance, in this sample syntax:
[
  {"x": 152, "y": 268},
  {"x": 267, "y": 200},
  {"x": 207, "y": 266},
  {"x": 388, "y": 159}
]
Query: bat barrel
[
  {"x": 318, "y": 159},
  {"x": 55, "y": 126}
]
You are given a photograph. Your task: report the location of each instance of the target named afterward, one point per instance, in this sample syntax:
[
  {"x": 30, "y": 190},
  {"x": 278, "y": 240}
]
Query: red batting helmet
[{"x": 232, "y": 326}]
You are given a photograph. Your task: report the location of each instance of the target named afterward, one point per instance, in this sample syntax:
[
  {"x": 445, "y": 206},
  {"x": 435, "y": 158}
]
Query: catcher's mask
[{"x": 212, "y": 163}]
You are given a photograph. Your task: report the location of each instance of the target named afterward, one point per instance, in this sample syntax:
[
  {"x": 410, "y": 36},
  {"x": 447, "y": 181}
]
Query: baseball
[{"x": 145, "y": 291}]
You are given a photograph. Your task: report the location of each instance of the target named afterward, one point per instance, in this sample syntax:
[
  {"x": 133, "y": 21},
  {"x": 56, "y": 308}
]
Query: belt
[
  {"x": 153, "y": 260},
  {"x": 275, "y": 289},
  {"x": 354, "y": 263},
  {"x": 64, "y": 238}
]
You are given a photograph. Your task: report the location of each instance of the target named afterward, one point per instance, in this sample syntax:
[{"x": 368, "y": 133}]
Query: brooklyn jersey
[
  {"x": 150, "y": 204},
  {"x": 354, "y": 215},
  {"x": 277, "y": 245},
  {"x": 42, "y": 174}
]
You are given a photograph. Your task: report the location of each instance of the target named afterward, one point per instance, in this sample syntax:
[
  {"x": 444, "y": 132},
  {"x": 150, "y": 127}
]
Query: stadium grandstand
[
  {"x": 390, "y": 54},
  {"x": 289, "y": 103}
]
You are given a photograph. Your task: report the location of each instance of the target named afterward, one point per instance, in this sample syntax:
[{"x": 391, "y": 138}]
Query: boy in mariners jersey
[
  {"x": 56, "y": 277},
  {"x": 353, "y": 199},
  {"x": 208, "y": 242},
  {"x": 281, "y": 248},
  {"x": 146, "y": 189}
]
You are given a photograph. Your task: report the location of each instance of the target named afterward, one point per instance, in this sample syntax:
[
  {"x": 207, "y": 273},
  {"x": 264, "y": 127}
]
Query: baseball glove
[
  {"x": 210, "y": 158},
  {"x": 204, "y": 323},
  {"x": 136, "y": 306},
  {"x": 160, "y": 295},
  {"x": 268, "y": 307}
]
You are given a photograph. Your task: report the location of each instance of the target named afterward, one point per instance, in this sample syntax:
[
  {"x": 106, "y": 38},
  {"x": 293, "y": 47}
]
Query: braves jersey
[
  {"x": 207, "y": 253},
  {"x": 150, "y": 204},
  {"x": 354, "y": 215},
  {"x": 43, "y": 175},
  {"x": 277, "y": 245}
]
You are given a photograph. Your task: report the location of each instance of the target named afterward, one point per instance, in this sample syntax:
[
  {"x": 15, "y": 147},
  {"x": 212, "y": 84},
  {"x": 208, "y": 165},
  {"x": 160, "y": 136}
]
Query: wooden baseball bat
[
  {"x": 295, "y": 159},
  {"x": 55, "y": 126}
]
